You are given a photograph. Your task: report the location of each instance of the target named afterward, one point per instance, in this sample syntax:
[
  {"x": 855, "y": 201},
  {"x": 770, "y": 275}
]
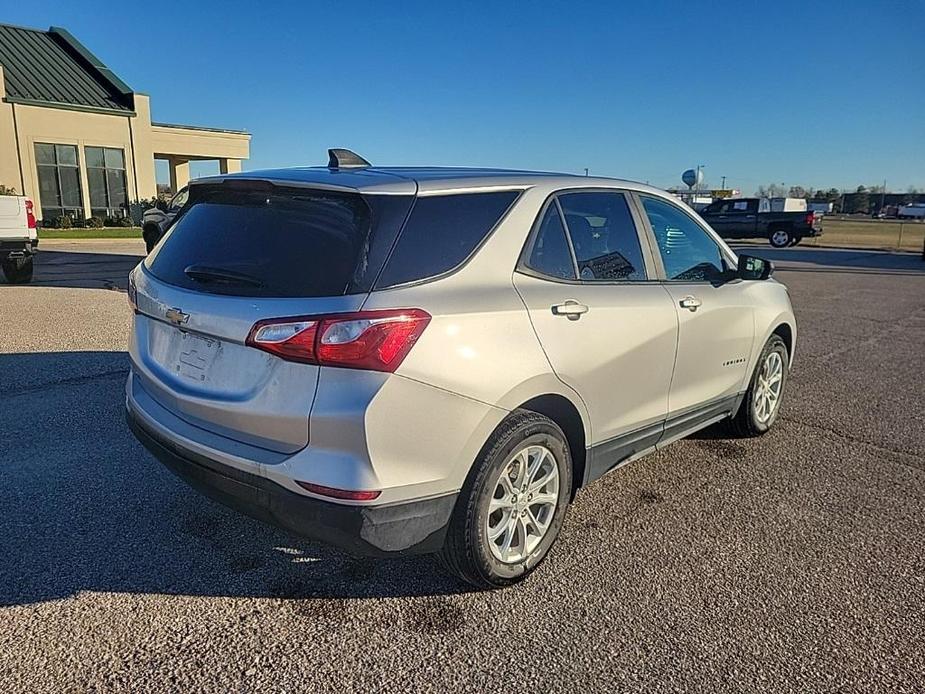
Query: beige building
[{"x": 79, "y": 141}]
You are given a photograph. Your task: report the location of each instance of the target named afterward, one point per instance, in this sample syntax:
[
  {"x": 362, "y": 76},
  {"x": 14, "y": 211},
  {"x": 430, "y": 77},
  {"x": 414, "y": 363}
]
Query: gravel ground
[{"x": 791, "y": 563}]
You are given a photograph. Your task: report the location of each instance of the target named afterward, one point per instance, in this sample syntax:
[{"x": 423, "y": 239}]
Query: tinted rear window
[
  {"x": 441, "y": 232},
  {"x": 269, "y": 241}
]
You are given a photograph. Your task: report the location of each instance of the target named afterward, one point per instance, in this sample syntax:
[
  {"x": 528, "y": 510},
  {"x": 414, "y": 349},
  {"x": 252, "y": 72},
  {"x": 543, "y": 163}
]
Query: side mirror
[{"x": 752, "y": 268}]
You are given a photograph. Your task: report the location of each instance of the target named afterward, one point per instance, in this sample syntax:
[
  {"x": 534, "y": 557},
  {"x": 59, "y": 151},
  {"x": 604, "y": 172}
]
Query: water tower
[{"x": 692, "y": 177}]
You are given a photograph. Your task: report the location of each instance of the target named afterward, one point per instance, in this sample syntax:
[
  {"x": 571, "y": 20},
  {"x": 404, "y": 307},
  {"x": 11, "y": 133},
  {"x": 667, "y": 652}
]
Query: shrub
[
  {"x": 64, "y": 221},
  {"x": 126, "y": 222},
  {"x": 95, "y": 223}
]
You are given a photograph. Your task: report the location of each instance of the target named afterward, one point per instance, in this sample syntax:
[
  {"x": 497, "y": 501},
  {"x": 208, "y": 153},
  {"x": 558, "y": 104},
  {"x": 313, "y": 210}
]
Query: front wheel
[
  {"x": 780, "y": 238},
  {"x": 512, "y": 507},
  {"x": 18, "y": 271},
  {"x": 761, "y": 404}
]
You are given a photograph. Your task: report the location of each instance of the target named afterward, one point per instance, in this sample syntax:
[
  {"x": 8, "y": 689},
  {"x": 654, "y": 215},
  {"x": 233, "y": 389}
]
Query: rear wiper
[{"x": 204, "y": 273}]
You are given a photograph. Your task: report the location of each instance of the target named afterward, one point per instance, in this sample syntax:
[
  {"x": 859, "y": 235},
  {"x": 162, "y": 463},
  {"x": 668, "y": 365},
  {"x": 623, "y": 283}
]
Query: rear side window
[
  {"x": 604, "y": 237},
  {"x": 550, "y": 254},
  {"x": 262, "y": 240},
  {"x": 441, "y": 232}
]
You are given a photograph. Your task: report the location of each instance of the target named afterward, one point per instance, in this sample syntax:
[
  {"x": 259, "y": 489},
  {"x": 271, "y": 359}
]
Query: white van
[{"x": 18, "y": 238}]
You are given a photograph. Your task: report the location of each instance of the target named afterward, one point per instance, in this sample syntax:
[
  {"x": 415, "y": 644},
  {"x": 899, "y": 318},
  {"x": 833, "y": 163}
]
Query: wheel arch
[
  {"x": 563, "y": 412},
  {"x": 785, "y": 332}
]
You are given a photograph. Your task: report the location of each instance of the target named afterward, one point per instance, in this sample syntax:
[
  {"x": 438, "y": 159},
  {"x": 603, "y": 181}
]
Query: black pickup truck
[{"x": 750, "y": 218}]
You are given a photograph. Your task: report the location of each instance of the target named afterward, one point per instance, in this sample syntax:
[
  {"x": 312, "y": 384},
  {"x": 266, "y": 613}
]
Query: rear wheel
[
  {"x": 512, "y": 507},
  {"x": 761, "y": 404},
  {"x": 780, "y": 238},
  {"x": 18, "y": 270}
]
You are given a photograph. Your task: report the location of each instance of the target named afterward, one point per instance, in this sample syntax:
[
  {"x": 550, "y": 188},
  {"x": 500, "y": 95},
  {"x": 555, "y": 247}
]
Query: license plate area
[{"x": 195, "y": 356}]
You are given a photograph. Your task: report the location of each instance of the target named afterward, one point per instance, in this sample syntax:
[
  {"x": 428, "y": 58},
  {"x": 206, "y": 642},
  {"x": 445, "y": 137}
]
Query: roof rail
[{"x": 345, "y": 159}]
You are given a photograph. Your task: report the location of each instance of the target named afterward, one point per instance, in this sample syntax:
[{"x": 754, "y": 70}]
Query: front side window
[
  {"x": 59, "y": 181},
  {"x": 604, "y": 236},
  {"x": 688, "y": 252},
  {"x": 106, "y": 181}
]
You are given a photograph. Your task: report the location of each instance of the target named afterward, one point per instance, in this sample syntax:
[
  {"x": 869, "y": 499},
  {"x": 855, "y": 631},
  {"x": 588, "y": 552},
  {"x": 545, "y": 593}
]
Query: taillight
[
  {"x": 334, "y": 493},
  {"x": 810, "y": 218},
  {"x": 30, "y": 214},
  {"x": 132, "y": 292},
  {"x": 373, "y": 340}
]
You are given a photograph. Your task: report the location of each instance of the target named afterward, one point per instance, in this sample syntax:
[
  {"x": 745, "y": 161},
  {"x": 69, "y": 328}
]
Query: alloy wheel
[
  {"x": 523, "y": 504},
  {"x": 780, "y": 239},
  {"x": 768, "y": 388}
]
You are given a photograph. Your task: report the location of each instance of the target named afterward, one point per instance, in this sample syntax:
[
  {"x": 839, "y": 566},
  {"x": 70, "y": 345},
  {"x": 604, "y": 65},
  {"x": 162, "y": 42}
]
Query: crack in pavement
[
  {"x": 74, "y": 380},
  {"x": 916, "y": 463}
]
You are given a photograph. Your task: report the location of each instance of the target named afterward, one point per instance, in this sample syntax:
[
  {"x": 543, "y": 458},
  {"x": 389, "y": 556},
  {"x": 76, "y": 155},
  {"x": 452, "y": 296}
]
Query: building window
[
  {"x": 59, "y": 181},
  {"x": 106, "y": 180}
]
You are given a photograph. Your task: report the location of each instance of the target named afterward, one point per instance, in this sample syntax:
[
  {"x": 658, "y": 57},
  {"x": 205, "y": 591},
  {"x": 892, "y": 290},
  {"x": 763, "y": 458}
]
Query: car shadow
[
  {"x": 87, "y": 508},
  {"x": 82, "y": 269},
  {"x": 841, "y": 260}
]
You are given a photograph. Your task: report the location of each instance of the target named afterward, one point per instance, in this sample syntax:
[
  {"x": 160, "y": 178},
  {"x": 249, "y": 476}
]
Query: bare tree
[{"x": 772, "y": 190}]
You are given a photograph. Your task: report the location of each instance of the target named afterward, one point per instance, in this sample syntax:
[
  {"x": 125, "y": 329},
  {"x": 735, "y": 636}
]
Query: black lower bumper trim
[
  {"x": 17, "y": 249},
  {"x": 416, "y": 527}
]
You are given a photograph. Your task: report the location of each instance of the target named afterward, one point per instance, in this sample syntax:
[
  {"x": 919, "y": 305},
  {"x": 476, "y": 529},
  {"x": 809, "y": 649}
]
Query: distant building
[{"x": 79, "y": 141}]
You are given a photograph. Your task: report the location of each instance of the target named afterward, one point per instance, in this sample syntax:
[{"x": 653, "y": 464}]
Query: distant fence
[{"x": 887, "y": 234}]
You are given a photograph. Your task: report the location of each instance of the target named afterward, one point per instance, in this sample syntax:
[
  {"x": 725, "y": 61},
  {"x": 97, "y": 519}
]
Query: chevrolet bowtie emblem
[{"x": 176, "y": 316}]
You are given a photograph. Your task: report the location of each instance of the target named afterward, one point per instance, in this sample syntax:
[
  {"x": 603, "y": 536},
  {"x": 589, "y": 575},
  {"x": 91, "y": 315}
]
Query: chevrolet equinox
[{"x": 435, "y": 360}]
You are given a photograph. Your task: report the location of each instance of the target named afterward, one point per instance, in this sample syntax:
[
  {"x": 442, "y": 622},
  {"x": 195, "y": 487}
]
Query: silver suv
[{"x": 410, "y": 360}]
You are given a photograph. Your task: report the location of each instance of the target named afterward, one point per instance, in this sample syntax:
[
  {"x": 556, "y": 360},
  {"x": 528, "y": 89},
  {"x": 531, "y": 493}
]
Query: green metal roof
[{"x": 53, "y": 68}]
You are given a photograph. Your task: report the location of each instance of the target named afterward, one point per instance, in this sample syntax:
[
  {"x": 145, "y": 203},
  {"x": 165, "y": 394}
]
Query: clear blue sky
[{"x": 811, "y": 93}]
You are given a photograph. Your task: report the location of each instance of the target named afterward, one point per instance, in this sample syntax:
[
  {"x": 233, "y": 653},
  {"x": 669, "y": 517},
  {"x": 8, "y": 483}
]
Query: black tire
[
  {"x": 780, "y": 237},
  {"x": 18, "y": 271},
  {"x": 466, "y": 552},
  {"x": 796, "y": 240},
  {"x": 745, "y": 422}
]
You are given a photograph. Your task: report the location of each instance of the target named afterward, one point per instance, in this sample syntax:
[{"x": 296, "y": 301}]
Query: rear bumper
[
  {"x": 18, "y": 248},
  {"x": 415, "y": 527}
]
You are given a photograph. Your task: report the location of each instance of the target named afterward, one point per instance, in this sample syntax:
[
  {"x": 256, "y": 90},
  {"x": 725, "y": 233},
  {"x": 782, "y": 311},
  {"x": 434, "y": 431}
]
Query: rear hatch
[
  {"x": 244, "y": 251},
  {"x": 13, "y": 220}
]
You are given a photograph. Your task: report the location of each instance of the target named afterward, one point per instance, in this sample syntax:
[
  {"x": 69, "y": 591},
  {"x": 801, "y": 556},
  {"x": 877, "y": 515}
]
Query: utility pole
[
  {"x": 882, "y": 195},
  {"x": 586, "y": 172},
  {"x": 724, "y": 183}
]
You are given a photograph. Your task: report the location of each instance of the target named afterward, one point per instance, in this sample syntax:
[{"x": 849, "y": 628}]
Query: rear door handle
[
  {"x": 692, "y": 303},
  {"x": 571, "y": 309}
]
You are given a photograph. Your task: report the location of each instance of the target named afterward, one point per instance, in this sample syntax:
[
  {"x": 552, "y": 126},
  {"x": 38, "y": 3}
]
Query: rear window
[
  {"x": 442, "y": 232},
  {"x": 261, "y": 240}
]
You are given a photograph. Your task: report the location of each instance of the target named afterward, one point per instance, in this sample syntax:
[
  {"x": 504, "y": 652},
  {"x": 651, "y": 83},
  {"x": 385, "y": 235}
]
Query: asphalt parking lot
[{"x": 791, "y": 563}]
